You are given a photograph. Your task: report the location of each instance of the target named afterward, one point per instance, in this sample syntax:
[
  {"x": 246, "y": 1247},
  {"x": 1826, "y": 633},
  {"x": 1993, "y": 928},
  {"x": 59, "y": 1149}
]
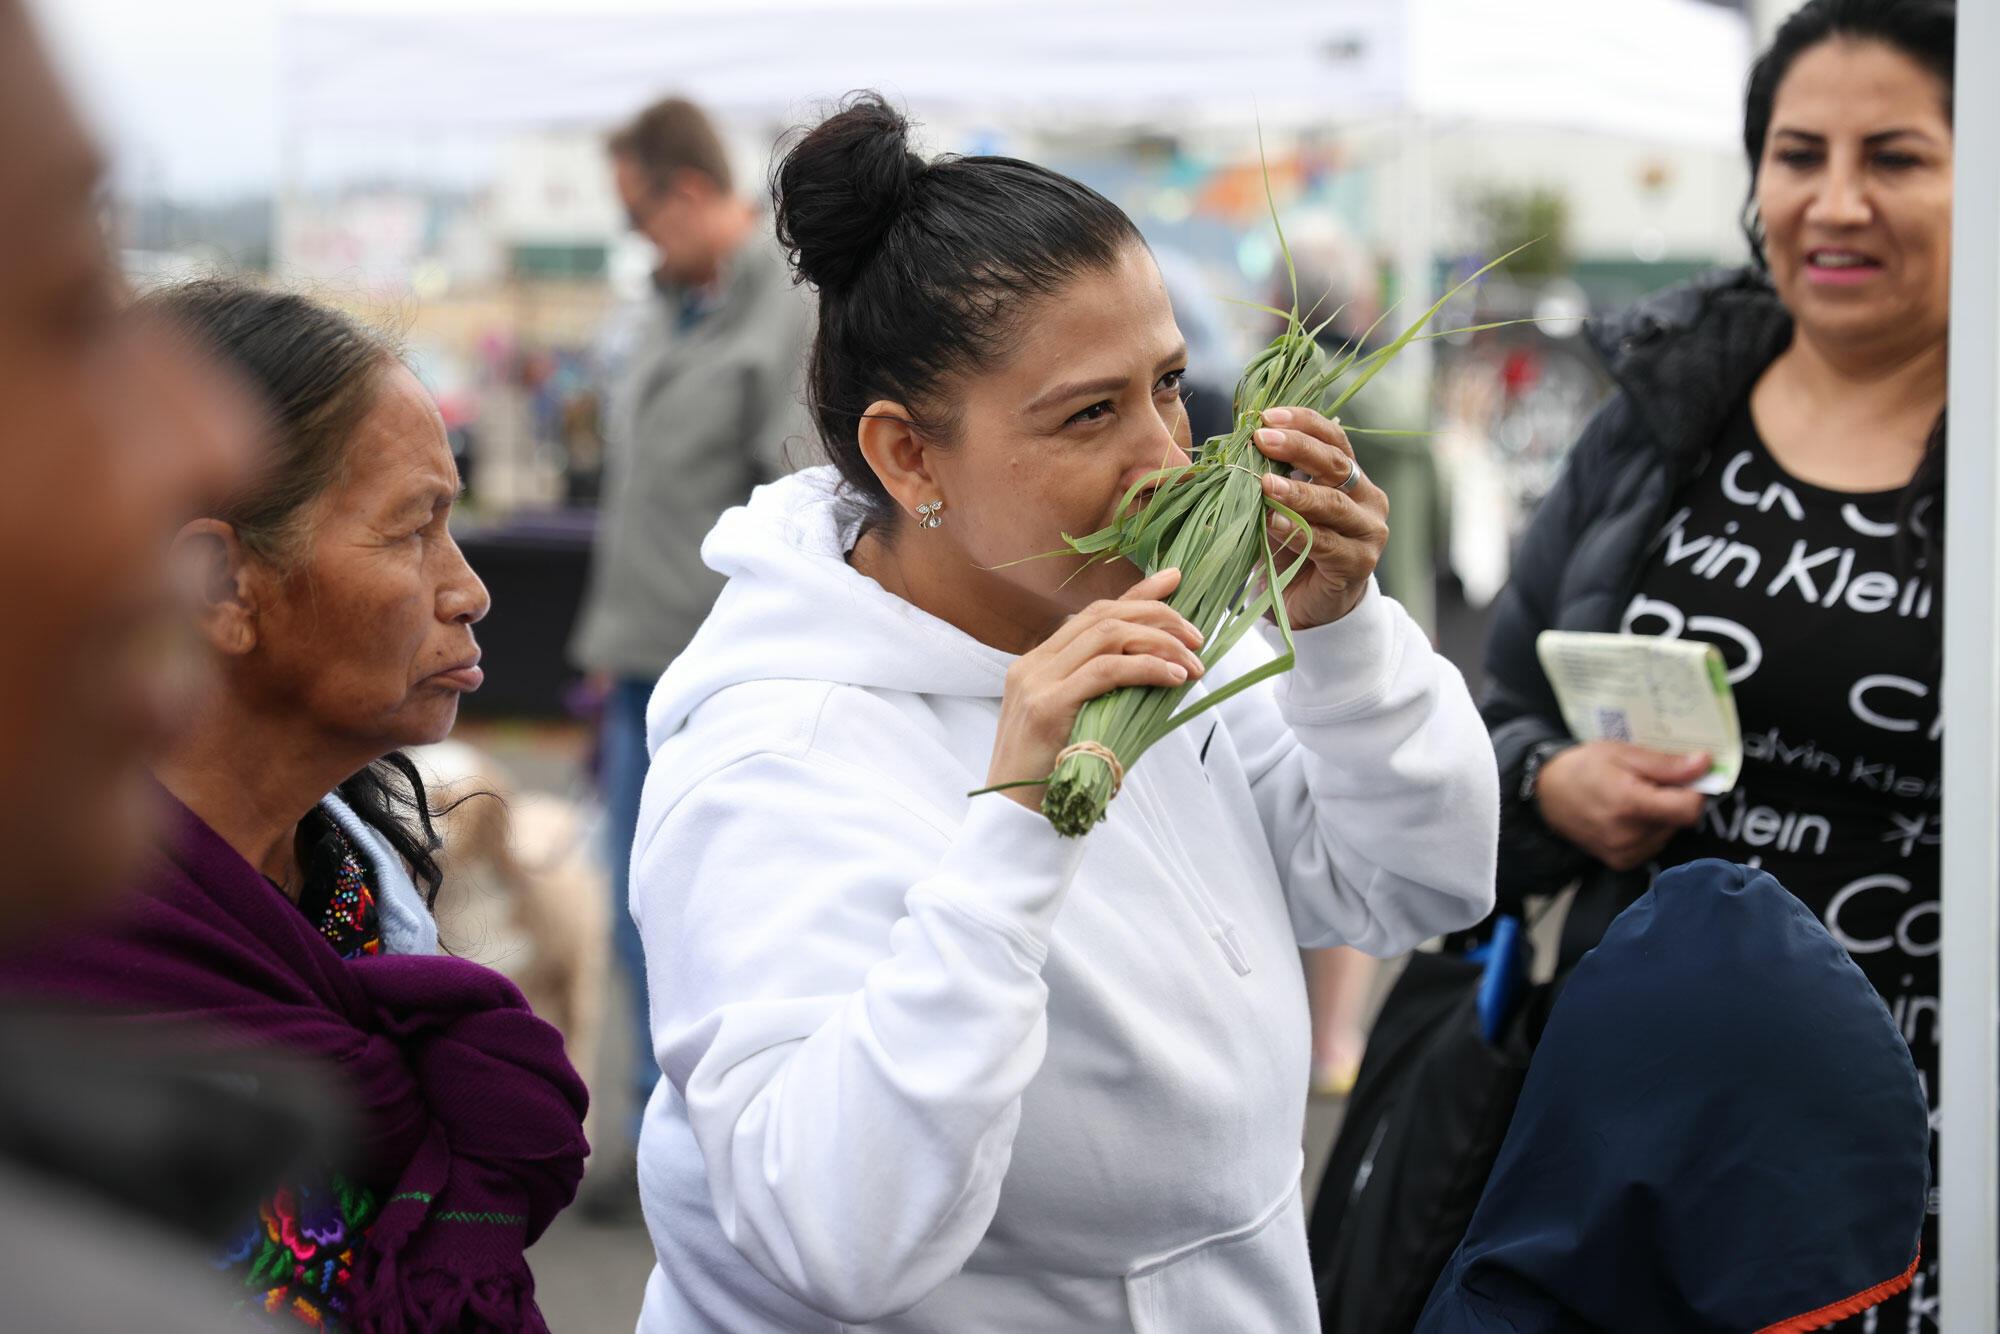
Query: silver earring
[{"x": 927, "y": 514}]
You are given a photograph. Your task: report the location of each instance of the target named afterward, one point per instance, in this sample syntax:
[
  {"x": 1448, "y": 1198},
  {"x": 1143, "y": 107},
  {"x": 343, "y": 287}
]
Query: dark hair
[
  {"x": 670, "y": 136},
  {"x": 924, "y": 269},
  {"x": 318, "y": 373},
  {"x": 1926, "y": 31}
]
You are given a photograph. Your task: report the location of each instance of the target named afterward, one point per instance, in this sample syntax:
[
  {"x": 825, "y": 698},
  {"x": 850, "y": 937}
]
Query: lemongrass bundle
[{"x": 1209, "y": 518}]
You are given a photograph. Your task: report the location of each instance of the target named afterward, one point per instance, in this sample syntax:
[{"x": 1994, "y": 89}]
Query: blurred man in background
[{"x": 705, "y": 408}]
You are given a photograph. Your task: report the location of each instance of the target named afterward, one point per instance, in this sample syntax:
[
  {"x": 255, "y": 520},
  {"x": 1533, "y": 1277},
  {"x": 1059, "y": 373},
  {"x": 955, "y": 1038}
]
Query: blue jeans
[{"x": 624, "y": 759}]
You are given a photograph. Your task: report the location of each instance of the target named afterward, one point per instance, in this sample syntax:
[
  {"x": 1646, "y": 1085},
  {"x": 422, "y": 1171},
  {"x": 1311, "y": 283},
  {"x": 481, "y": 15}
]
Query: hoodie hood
[
  {"x": 794, "y": 609},
  {"x": 1722, "y": 1130}
]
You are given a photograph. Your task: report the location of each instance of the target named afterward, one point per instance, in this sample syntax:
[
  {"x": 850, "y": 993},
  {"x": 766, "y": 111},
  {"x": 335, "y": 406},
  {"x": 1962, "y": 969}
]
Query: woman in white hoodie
[{"x": 929, "y": 1065}]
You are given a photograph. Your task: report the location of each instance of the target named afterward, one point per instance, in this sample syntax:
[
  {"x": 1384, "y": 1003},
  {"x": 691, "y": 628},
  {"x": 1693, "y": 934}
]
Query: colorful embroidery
[
  {"x": 346, "y": 915},
  {"x": 295, "y": 1259}
]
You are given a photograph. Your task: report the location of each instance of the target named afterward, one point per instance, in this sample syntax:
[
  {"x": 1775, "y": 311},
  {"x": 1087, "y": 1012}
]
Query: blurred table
[{"x": 534, "y": 564}]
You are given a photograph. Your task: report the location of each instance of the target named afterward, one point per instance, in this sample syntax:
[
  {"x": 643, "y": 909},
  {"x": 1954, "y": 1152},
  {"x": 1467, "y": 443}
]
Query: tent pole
[
  {"x": 1416, "y": 247},
  {"x": 1969, "y": 1103}
]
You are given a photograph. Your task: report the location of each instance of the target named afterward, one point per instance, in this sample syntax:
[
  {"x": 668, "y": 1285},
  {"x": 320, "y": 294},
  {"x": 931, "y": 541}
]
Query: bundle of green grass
[{"x": 1210, "y": 519}]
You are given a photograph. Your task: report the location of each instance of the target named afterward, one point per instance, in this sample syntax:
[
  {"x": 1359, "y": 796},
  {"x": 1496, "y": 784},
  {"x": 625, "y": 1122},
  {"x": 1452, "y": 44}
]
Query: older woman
[
  {"x": 929, "y": 1065},
  {"x": 1770, "y": 478},
  {"x": 290, "y": 911}
]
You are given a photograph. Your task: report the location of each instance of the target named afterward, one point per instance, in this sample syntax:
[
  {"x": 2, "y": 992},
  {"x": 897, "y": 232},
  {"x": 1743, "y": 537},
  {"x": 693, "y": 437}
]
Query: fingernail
[
  {"x": 1270, "y": 437},
  {"x": 1278, "y": 416},
  {"x": 1180, "y": 672},
  {"x": 1280, "y": 524}
]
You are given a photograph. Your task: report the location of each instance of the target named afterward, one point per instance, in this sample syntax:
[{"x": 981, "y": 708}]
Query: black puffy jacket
[{"x": 1684, "y": 360}]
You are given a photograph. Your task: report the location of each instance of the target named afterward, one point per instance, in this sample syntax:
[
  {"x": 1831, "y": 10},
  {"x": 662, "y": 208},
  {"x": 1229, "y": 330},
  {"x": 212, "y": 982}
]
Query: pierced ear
[
  {"x": 216, "y": 577},
  {"x": 895, "y": 449}
]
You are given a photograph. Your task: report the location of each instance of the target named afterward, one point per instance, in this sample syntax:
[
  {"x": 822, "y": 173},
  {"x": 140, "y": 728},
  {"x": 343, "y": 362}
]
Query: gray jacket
[{"x": 705, "y": 410}]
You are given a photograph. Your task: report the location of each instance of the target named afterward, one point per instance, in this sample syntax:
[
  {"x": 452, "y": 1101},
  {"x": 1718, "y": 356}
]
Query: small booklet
[{"x": 1664, "y": 694}]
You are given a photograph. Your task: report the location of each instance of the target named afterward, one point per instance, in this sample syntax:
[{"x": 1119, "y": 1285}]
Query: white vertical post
[
  {"x": 1970, "y": 1074},
  {"x": 1416, "y": 252}
]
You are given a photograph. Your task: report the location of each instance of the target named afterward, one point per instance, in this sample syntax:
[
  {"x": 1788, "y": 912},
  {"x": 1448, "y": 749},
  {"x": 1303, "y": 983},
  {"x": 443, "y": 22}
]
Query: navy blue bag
[{"x": 1722, "y": 1130}]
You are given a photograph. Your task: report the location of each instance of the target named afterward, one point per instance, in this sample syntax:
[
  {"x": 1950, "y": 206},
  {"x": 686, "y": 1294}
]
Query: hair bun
[{"x": 839, "y": 190}]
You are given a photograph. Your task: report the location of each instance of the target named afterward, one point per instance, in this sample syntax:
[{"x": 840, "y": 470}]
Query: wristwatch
[{"x": 1531, "y": 768}]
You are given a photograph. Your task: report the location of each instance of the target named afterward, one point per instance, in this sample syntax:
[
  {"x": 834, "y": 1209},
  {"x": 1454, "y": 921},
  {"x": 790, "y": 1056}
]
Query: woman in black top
[{"x": 1770, "y": 478}]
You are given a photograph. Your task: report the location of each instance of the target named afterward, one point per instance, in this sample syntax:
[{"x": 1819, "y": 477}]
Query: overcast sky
[{"x": 185, "y": 91}]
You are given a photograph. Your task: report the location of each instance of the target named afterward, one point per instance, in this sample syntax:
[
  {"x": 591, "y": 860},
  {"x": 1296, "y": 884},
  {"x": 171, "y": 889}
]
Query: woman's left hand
[{"x": 1349, "y": 527}]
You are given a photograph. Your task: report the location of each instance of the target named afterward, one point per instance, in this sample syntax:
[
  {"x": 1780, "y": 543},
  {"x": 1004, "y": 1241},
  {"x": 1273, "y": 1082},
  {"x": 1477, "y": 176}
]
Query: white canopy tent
[
  {"x": 1659, "y": 70},
  {"x": 1653, "y": 71}
]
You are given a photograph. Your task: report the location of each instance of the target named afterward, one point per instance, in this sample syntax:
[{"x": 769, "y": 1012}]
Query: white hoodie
[{"x": 930, "y": 1066}]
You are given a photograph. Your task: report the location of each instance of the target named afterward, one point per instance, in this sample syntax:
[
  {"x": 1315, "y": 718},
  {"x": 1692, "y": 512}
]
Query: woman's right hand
[
  {"x": 1618, "y": 802},
  {"x": 1137, "y": 640}
]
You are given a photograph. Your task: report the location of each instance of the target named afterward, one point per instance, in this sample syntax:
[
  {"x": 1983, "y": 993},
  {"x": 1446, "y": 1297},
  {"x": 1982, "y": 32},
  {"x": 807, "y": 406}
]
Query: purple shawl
[{"x": 466, "y": 1102}]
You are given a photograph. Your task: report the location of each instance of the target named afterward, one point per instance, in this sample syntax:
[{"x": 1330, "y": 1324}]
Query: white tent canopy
[{"x": 1659, "y": 70}]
